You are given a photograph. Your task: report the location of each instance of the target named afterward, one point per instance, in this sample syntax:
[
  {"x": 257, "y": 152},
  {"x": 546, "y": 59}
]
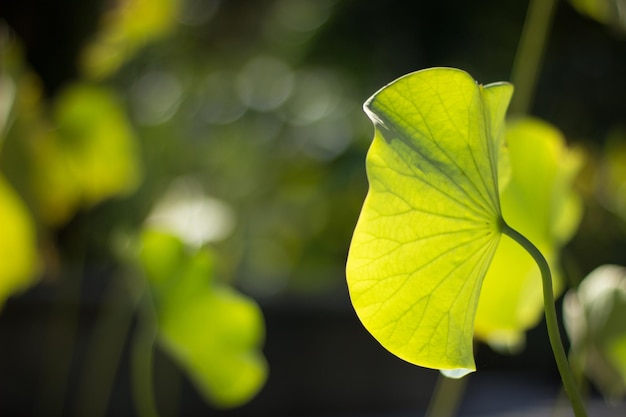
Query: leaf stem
[
  {"x": 446, "y": 397},
  {"x": 105, "y": 349},
  {"x": 551, "y": 320},
  {"x": 142, "y": 349},
  {"x": 530, "y": 53}
]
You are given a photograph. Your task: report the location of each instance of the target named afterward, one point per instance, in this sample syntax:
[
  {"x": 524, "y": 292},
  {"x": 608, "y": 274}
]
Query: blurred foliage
[
  {"x": 18, "y": 245},
  {"x": 609, "y": 12},
  {"x": 70, "y": 154},
  {"x": 594, "y": 318},
  {"x": 235, "y": 147},
  {"x": 124, "y": 29},
  {"x": 88, "y": 157},
  {"x": 211, "y": 330},
  {"x": 538, "y": 200}
]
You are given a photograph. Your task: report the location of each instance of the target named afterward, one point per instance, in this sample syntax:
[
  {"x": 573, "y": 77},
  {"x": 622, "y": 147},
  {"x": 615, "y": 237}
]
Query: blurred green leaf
[
  {"x": 594, "y": 320},
  {"x": 18, "y": 246},
  {"x": 430, "y": 223},
  {"x": 213, "y": 332},
  {"x": 91, "y": 154},
  {"x": 127, "y": 27},
  {"x": 609, "y": 12},
  {"x": 539, "y": 202}
]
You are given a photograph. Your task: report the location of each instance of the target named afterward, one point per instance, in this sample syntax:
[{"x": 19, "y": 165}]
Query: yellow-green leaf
[
  {"x": 213, "y": 332},
  {"x": 609, "y": 12},
  {"x": 127, "y": 27},
  {"x": 430, "y": 223},
  {"x": 18, "y": 246},
  {"x": 90, "y": 156},
  {"x": 538, "y": 201}
]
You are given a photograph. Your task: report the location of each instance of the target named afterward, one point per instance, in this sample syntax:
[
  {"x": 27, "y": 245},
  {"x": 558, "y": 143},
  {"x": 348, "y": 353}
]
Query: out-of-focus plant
[
  {"x": 125, "y": 29},
  {"x": 594, "y": 318},
  {"x": 609, "y": 12},
  {"x": 89, "y": 154},
  {"x": 20, "y": 265},
  {"x": 18, "y": 245},
  {"x": 79, "y": 149},
  {"x": 209, "y": 329}
]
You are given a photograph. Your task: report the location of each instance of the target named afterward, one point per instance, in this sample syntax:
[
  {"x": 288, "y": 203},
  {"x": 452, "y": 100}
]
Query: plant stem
[
  {"x": 551, "y": 320},
  {"x": 530, "y": 53},
  {"x": 105, "y": 349},
  {"x": 59, "y": 342},
  {"x": 446, "y": 397},
  {"x": 142, "y": 349}
]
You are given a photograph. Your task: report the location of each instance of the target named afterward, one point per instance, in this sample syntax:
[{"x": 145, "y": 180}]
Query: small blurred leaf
[
  {"x": 609, "y": 12},
  {"x": 430, "y": 223},
  {"x": 90, "y": 156},
  {"x": 124, "y": 30},
  {"x": 18, "y": 246},
  {"x": 594, "y": 319},
  {"x": 212, "y": 331},
  {"x": 538, "y": 201}
]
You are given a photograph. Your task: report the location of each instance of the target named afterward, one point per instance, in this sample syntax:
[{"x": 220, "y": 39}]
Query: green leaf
[
  {"x": 18, "y": 244},
  {"x": 213, "y": 332},
  {"x": 124, "y": 30},
  {"x": 609, "y": 12},
  {"x": 430, "y": 223},
  {"x": 594, "y": 320},
  {"x": 539, "y": 202},
  {"x": 91, "y": 156}
]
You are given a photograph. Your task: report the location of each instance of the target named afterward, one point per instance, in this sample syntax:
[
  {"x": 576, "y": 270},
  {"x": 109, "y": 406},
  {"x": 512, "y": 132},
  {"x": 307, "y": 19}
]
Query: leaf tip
[{"x": 457, "y": 373}]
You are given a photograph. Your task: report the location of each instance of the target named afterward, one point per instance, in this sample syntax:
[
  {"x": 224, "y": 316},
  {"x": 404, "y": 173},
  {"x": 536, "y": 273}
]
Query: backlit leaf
[
  {"x": 537, "y": 201},
  {"x": 430, "y": 223}
]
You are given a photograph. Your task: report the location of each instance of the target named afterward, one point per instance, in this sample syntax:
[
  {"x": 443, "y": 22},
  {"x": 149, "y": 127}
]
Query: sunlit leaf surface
[
  {"x": 18, "y": 247},
  {"x": 213, "y": 332},
  {"x": 594, "y": 318},
  {"x": 537, "y": 201},
  {"x": 430, "y": 225}
]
